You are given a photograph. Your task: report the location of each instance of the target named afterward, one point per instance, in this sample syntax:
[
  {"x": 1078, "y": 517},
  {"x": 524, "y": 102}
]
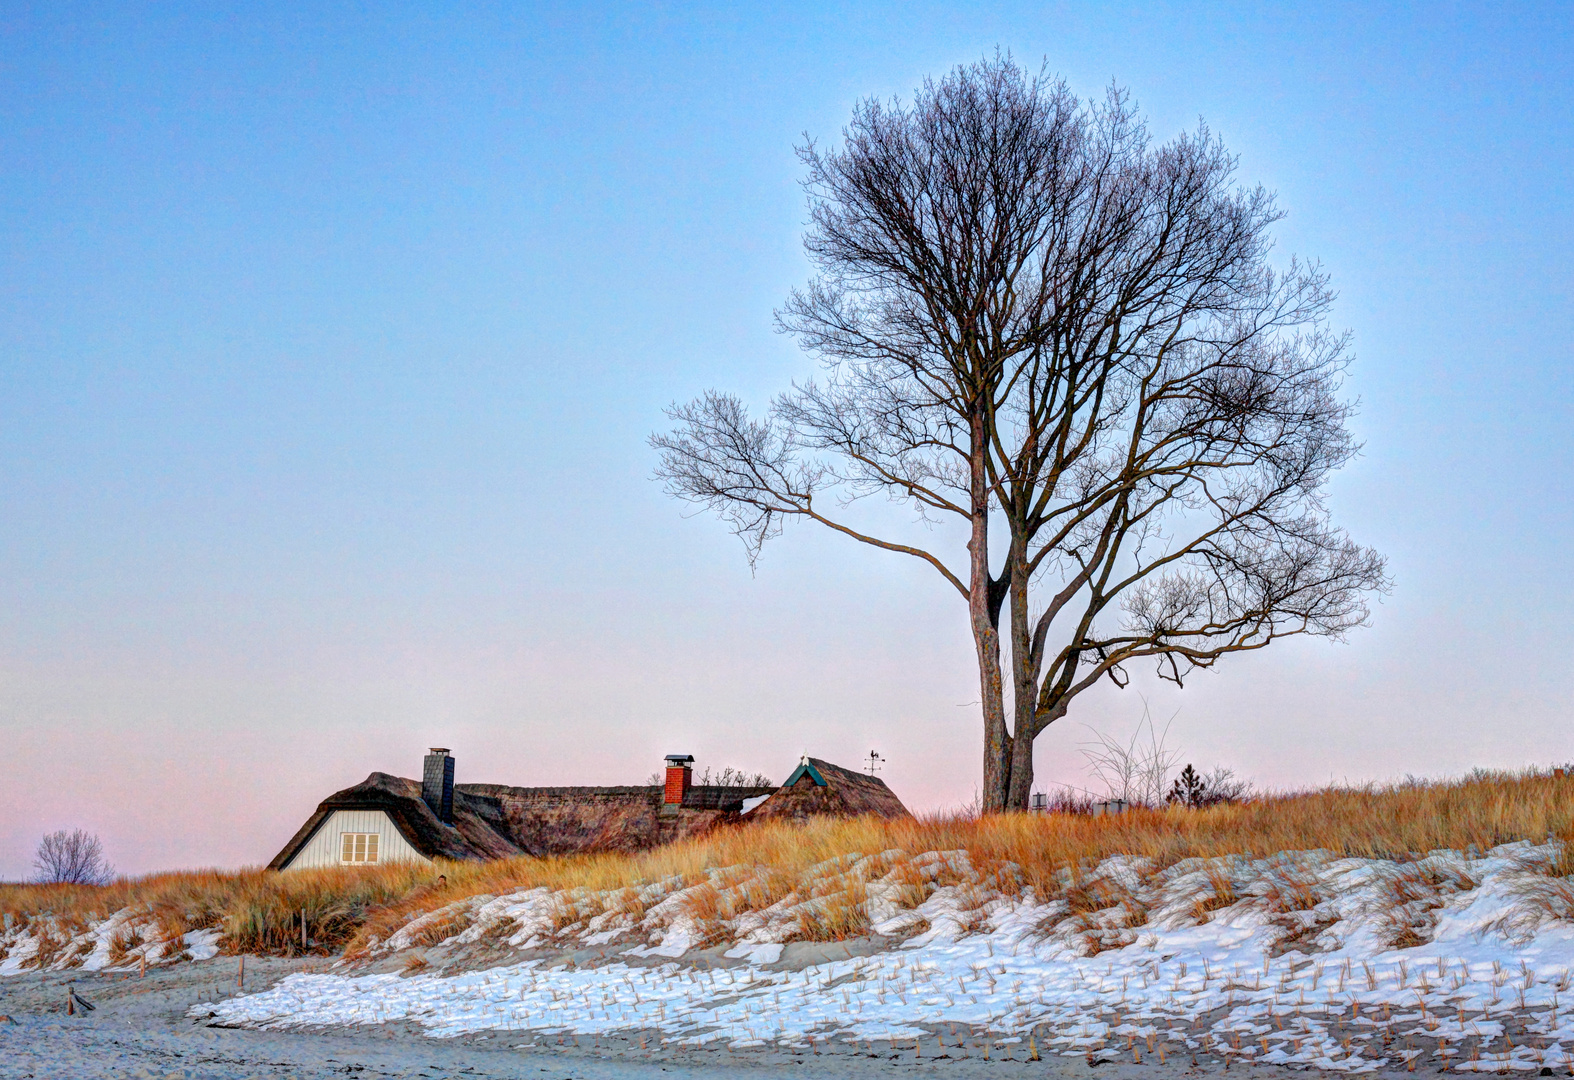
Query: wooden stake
[
  {"x": 144, "y": 966},
  {"x": 240, "y": 979}
]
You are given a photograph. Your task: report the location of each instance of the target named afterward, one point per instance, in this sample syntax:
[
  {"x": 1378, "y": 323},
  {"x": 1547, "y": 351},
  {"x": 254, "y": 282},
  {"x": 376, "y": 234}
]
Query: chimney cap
[
  {"x": 437, "y": 750},
  {"x": 679, "y": 759}
]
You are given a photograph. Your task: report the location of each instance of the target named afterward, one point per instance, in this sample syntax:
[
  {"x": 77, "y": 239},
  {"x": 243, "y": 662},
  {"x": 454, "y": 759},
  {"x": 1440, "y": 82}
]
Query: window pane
[
  {"x": 371, "y": 847},
  {"x": 346, "y": 847},
  {"x": 360, "y": 847}
]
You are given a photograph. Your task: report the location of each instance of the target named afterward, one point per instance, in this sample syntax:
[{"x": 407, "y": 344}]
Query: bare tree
[
  {"x": 72, "y": 858},
  {"x": 1033, "y": 317},
  {"x": 727, "y": 777},
  {"x": 730, "y": 777}
]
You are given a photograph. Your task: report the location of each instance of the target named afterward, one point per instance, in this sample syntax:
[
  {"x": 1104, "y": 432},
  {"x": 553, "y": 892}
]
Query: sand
[{"x": 139, "y": 1029}]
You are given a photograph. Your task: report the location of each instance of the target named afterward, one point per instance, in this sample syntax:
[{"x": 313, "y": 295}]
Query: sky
[{"x": 331, "y": 338}]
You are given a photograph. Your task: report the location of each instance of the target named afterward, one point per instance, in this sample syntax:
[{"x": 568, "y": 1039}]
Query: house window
[{"x": 357, "y": 847}]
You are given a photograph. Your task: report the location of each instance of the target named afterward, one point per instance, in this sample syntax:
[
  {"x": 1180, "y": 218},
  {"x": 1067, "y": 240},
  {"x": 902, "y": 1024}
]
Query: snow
[
  {"x": 758, "y": 955},
  {"x": 1293, "y": 964},
  {"x": 93, "y": 949}
]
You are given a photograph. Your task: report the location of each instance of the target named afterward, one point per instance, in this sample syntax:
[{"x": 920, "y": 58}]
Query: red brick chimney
[{"x": 680, "y": 776}]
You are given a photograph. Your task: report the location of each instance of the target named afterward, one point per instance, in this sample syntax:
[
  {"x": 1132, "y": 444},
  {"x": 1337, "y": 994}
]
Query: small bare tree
[
  {"x": 1036, "y": 321},
  {"x": 72, "y": 858}
]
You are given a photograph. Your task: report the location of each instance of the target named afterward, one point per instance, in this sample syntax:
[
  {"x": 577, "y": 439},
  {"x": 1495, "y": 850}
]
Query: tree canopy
[{"x": 1036, "y": 321}]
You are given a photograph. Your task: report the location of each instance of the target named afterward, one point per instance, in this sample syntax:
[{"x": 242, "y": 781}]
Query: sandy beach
[{"x": 139, "y": 1029}]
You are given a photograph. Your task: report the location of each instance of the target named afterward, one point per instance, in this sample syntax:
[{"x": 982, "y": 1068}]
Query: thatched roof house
[
  {"x": 817, "y": 787},
  {"x": 390, "y": 819}
]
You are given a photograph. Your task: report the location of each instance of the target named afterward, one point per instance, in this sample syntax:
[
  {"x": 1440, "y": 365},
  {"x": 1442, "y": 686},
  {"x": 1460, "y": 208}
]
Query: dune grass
[{"x": 260, "y": 911}]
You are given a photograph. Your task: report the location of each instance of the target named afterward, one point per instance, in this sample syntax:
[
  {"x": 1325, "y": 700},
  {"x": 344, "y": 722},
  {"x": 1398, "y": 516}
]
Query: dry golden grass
[
  {"x": 836, "y": 916},
  {"x": 258, "y": 911},
  {"x": 348, "y": 909},
  {"x": 439, "y": 927},
  {"x": 1223, "y": 893},
  {"x": 1553, "y": 898},
  {"x": 122, "y": 943},
  {"x": 49, "y": 948}
]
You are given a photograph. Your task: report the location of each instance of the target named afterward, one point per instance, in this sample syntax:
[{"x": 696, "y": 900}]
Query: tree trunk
[
  {"x": 1019, "y": 782},
  {"x": 1021, "y": 766},
  {"x": 985, "y": 617},
  {"x": 1022, "y": 743},
  {"x": 997, "y": 741}
]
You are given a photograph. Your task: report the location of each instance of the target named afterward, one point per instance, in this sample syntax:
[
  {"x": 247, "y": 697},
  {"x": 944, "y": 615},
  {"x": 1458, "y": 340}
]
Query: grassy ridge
[{"x": 260, "y": 911}]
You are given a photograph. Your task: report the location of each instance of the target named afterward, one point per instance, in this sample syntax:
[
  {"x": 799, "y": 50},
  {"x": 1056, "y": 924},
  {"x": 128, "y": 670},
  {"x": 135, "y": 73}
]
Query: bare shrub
[
  {"x": 1135, "y": 771},
  {"x": 726, "y": 776},
  {"x": 1068, "y": 801},
  {"x": 72, "y": 858},
  {"x": 730, "y": 777}
]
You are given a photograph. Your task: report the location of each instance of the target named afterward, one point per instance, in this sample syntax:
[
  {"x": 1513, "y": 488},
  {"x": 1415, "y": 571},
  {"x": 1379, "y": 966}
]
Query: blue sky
[{"x": 330, "y": 338}]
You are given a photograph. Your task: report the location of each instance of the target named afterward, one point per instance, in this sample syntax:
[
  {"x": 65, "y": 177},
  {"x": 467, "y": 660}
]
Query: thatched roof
[
  {"x": 492, "y": 821},
  {"x": 817, "y": 787},
  {"x": 474, "y": 834}
]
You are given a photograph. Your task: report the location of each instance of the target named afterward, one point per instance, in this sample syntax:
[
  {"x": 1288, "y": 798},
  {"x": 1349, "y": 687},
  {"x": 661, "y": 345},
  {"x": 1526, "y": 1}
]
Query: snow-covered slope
[{"x": 1457, "y": 959}]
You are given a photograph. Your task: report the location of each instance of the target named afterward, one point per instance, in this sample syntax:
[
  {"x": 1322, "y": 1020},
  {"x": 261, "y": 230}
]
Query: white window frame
[{"x": 359, "y": 848}]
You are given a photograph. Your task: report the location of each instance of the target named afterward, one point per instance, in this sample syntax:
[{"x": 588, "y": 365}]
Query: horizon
[{"x": 331, "y": 342}]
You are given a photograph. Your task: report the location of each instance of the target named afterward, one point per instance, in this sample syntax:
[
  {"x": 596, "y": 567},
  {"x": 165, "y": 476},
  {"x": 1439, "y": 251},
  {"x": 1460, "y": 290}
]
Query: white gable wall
[{"x": 325, "y": 846}]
